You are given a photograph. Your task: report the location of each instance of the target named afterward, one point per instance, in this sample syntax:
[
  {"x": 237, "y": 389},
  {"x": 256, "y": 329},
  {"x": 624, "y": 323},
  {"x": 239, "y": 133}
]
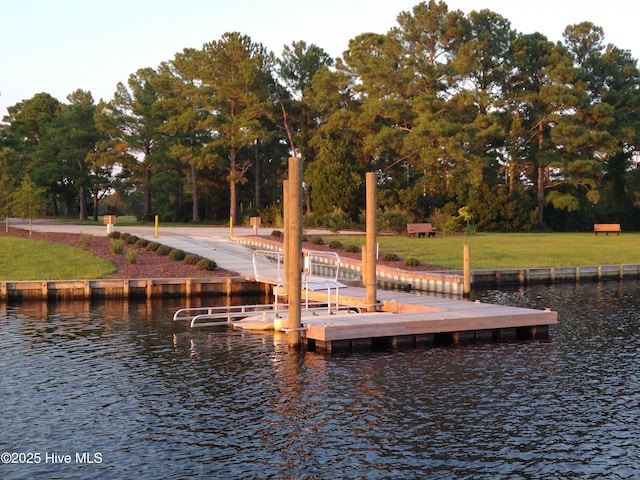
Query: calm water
[{"x": 121, "y": 386}]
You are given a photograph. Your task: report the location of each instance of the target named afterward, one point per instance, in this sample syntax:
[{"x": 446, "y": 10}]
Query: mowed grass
[
  {"x": 22, "y": 259},
  {"x": 510, "y": 250}
]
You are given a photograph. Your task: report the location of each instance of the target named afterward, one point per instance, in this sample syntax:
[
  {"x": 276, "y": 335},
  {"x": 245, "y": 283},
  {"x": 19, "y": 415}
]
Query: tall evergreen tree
[
  {"x": 65, "y": 152},
  {"x": 132, "y": 121},
  {"x": 238, "y": 73},
  {"x": 542, "y": 97}
]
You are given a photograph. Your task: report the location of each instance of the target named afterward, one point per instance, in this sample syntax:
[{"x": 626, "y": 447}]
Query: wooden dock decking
[
  {"x": 411, "y": 320},
  {"x": 454, "y": 322}
]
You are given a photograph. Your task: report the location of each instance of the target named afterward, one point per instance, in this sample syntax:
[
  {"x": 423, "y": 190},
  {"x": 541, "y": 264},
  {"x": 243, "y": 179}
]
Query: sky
[{"x": 59, "y": 46}]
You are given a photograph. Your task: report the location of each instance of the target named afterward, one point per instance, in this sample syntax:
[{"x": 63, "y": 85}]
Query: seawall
[{"x": 129, "y": 288}]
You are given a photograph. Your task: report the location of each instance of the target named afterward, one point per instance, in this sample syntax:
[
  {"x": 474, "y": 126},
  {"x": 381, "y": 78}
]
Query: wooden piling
[
  {"x": 370, "y": 277},
  {"x": 295, "y": 250},
  {"x": 466, "y": 289},
  {"x": 285, "y": 223}
]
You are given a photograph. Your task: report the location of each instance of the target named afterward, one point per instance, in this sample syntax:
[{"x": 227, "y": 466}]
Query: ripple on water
[{"x": 154, "y": 397}]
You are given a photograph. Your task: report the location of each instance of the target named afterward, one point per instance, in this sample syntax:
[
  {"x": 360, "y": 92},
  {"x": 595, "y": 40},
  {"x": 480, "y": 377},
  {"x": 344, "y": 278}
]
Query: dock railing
[
  {"x": 227, "y": 315},
  {"x": 268, "y": 266}
]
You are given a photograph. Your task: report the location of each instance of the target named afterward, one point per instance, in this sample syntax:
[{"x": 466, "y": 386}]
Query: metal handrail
[
  {"x": 278, "y": 257},
  {"x": 224, "y": 315},
  {"x": 179, "y": 314}
]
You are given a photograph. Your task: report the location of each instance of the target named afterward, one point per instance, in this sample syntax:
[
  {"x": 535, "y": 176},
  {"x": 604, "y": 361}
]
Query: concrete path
[{"x": 213, "y": 243}]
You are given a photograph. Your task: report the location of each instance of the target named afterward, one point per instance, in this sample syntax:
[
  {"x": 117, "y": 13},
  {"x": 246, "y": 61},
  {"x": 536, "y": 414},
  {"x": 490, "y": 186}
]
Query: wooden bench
[
  {"x": 421, "y": 229},
  {"x": 607, "y": 228}
]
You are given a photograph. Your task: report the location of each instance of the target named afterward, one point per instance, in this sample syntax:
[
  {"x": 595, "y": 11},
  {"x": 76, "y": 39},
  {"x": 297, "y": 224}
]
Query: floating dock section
[
  {"x": 402, "y": 320},
  {"x": 426, "y": 322}
]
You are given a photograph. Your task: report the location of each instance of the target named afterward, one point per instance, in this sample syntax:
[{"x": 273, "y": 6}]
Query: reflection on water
[{"x": 157, "y": 400}]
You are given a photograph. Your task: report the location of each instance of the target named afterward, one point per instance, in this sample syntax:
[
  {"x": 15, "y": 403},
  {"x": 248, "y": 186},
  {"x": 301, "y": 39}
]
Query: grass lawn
[
  {"x": 38, "y": 259},
  {"x": 510, "y": 250}
]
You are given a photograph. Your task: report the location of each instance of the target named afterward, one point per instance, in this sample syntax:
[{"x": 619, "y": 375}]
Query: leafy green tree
[
  {"x": 296, "y": 97},
  {"x": 610, "y": 126},
  {"x": 184, "y": 95},
  {"x": 331, "y": 99},
  {"x": 8, "y": 177},
  {"x": 335, "y": 181},
  {"x": 542, "y": 98},
  {"x": 28, "y": 200},
  {"x": 297, "y": 67},
  {"x": 132, "y": 122},
  {"x": 482, "y": 67},
  {"x": 65, "y": 151},
  {"x": 27, "y": 122},
  {"x": 238, "y": 73},
  {"x": 430, "y": 37},
  {"x": 378, "y": 119}
]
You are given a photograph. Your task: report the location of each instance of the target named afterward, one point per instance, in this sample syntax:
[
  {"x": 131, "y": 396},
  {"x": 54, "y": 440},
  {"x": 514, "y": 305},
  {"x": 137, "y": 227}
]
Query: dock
[
  {"x": 336, "y": 324},
  {"x": 407, "y": 320},
  {"x": 335, "y": 316},
  {"x": 401, "y": 319},
  {"x": 415, "y": 321}
]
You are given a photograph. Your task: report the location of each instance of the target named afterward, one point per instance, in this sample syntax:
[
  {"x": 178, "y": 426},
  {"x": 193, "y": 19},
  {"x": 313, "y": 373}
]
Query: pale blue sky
[{"x": 58, "y": 46}]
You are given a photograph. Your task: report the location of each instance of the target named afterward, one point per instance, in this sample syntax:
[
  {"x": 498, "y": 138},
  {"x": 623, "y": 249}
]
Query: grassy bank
[
  {"x": 511, "y": 250},
  {"x": 38, "y": 259}
]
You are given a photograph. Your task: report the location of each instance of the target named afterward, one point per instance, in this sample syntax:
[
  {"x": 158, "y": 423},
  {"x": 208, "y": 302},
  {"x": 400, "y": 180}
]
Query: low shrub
[
  {"x": 163, "y": 250},
  {"x": 131, "y": 256},
  {"x": 317, "y": 241},
  {"x": 206, "y": 264},
  {"x": 142, "y": 242},
  {"x": 116, "y": 246},
  {"x": 191, "y": 259},
  {"x": 114, "y": 234},
  {"x": 337, "y": 220},
  {"x": 392, "y": 220},
  {"x": 390, "y": 257},
  {"x": 310, "y": 220},
  {"x": 353, "y": 249},
  {"x": 177, "y": 254},
  {"x": 152, "y": 246},
  {"x": 85, "y": 239},
  {"x": 277, "y": 233},
  {"x": 411, "y": 262},
  {"x": 335, "y": 244},
  {"x": 131, "y": 239}
]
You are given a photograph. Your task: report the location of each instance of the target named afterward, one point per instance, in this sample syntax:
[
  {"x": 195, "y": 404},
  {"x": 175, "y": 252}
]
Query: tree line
[{"x": 465, "y": 120}]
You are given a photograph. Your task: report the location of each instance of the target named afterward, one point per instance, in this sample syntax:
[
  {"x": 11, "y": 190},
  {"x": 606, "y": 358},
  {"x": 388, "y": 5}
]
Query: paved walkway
[{"x": 213, "y": 243}]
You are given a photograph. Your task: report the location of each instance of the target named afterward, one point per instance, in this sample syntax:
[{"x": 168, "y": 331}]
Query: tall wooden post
[
  {"x": 285, "y": 225},
  {"x": 466, "y": 261},
  {"x": 294, "y": 241},
  {"x": 370, "y": 277}
]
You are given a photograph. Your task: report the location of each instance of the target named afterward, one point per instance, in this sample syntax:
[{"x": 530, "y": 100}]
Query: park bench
[
  {"x": 421, "y": 229},
  {"x": 607, "y": 228}
]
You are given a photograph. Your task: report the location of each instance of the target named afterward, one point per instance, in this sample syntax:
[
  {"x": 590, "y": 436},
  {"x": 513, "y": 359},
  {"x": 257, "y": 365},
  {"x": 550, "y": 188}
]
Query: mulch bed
[
  {"x": 148, "y": 264},
  {"x": 152, "y": 265}
]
